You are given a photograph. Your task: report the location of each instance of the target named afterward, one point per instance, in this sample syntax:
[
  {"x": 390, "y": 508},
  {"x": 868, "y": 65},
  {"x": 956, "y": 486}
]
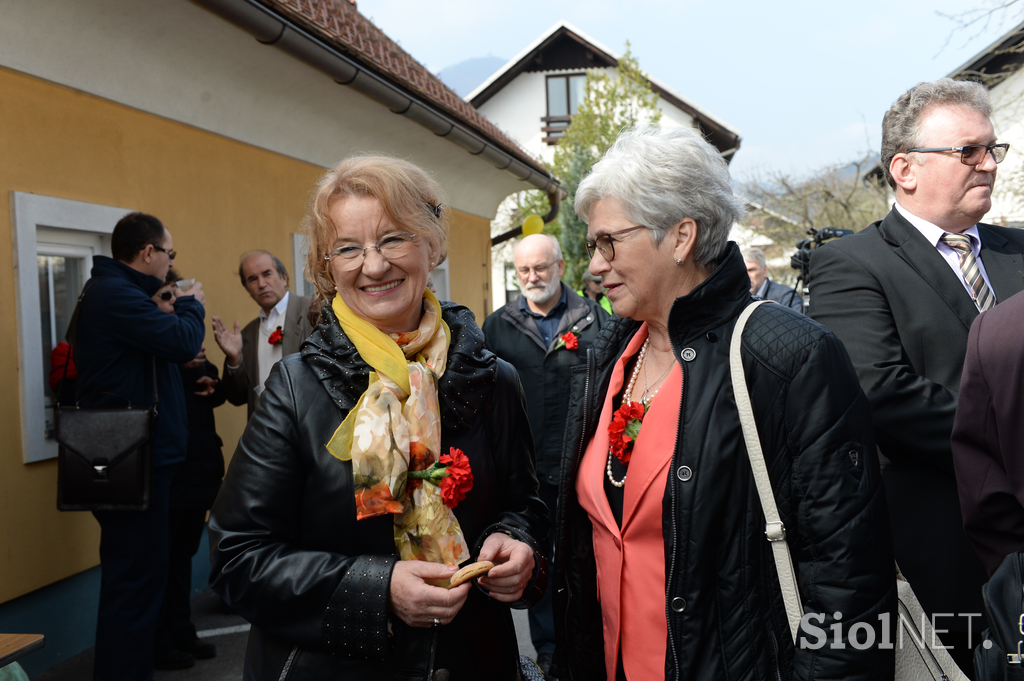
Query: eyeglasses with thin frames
[
  {"x": 605, "y": 244},
  {"x": 172, "y": 254},
  {"x": 971, "y": 154},
  {"x": 541, "y": 270},
  {"x": 393, "y": 246}
]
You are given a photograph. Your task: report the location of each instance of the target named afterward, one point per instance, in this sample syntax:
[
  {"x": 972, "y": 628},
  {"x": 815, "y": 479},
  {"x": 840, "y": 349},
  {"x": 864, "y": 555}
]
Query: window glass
[
  {"x": 60, "y": 283},
  {"x": 558, "y": 99},
  {"x": 576, "y": 84}
]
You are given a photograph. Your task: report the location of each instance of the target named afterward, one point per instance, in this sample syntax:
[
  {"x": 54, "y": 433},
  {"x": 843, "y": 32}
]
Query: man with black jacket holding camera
[{"x": 120, "y": 334}]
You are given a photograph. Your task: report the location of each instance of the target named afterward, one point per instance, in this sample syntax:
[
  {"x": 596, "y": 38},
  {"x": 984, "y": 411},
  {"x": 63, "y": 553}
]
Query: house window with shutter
[{"x": 564, "y": 94}]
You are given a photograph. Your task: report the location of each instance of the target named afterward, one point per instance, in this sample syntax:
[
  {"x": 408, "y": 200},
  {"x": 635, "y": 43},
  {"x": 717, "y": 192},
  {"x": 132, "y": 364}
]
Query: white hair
[{"x": 662, "y": 176}]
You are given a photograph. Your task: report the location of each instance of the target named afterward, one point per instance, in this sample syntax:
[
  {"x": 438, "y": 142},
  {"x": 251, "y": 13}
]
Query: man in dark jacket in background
[
  {"x": 761, "y": 284},
  {"x": 543, "y": 335},
  {"x": 122, "y": 340}
]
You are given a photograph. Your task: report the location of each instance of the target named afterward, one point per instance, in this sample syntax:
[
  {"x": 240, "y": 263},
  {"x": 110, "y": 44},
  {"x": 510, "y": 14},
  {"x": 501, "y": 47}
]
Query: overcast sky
[{"x": 806, "y": 83}]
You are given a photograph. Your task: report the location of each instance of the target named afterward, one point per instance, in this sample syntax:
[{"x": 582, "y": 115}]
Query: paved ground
[{"x": 228, "y": 632}]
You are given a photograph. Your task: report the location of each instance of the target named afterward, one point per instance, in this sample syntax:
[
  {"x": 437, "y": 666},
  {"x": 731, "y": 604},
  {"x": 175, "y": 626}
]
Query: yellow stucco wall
[
  {"x": 469, "y": 255},
  {"x": 218, "y": 198}
]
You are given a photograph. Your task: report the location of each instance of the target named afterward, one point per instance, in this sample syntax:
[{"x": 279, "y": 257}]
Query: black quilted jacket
[
  {"x": 289, "y": 556},
  {"x": 723, "y": 605}
]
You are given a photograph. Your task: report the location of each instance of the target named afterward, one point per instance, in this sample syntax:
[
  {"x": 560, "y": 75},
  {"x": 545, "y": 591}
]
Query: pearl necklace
[{"x": 644, "y": 399}]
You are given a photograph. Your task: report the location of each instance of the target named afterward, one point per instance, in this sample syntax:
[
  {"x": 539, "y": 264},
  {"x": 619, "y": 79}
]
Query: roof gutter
[{"x": 272, "y": 29}]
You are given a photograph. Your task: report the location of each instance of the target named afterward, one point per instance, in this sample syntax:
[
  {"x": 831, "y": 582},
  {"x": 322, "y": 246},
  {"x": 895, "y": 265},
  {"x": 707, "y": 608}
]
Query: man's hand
[
  {"x": 230, "y": 342},
  {"x": 513, "y": 567},
  {"x": 417, "y": 603},
  {"x": 196, "y": 290},
  {"x": 198, "y": 361},
  {"x": 206, "y": 385}
]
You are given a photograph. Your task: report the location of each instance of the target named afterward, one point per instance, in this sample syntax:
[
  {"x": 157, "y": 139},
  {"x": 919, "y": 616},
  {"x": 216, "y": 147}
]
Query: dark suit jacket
[
  {"x": 240, "y": 381},
  {"x": 904, "y": 316},
  {"x": 784, "y": 295},
  {"x": 988, "y": 433}
]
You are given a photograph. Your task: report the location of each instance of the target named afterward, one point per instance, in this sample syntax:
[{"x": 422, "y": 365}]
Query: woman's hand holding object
[
  {"x": 417, "y": 603},
  {"x": 513, "y": 567}
]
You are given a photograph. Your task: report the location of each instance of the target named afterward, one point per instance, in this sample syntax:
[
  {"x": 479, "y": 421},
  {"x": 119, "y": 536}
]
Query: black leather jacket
[
  {"x": 290, "y": 557},
  {"x": 723, "y": 605}
]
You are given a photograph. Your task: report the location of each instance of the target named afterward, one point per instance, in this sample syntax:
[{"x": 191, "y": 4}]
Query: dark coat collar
[
  {"x": 102, "y": 266},
  {"x": 462, "y": 390},
  {"x": 715, "y": 301},
  {"x": 576, "y": 308}
]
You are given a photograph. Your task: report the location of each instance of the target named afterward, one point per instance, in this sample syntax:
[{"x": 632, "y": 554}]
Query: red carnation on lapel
[
  {"x": 276, "y": 337},
  {"x": 459, "y": 479}
]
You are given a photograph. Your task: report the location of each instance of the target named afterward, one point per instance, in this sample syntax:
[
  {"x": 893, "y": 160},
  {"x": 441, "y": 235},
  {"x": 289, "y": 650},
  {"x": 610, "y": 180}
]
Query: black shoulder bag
[
  {"x": 1001, "y": 655},
  {"x": 105, "y": 454}
]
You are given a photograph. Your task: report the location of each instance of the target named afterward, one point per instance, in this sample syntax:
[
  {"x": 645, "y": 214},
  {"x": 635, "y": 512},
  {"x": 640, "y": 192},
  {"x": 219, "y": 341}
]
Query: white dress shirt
[
  {"x": 933, "y": 234},
  {"x": 268, "y": 355}
]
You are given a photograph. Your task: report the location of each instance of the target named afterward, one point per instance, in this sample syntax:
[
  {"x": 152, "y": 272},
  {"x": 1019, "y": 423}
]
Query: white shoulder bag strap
[{"x": 774, "y": 529}]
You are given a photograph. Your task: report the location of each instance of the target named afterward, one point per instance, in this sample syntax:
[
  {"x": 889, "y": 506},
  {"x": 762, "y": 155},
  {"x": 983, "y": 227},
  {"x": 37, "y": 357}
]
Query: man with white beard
[{"x": 543, "y": 335}]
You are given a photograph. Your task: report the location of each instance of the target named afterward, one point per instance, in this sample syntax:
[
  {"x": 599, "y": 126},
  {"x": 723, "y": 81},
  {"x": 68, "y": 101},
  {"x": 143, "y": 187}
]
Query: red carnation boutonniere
[
  {"x": 624, "y": 429},
  {"x": 568, "y": 340},
  {"x": 452, "y": 474},
  {"x": 276, "y": 337}
]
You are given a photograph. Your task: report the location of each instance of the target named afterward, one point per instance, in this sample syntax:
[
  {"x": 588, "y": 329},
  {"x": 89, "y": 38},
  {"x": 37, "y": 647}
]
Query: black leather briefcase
[{"x": 105, "y": 458}]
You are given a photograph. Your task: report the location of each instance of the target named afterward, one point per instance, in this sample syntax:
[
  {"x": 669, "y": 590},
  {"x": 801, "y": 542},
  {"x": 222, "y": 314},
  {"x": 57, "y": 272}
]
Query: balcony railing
[{"x": 555, "y": 128}]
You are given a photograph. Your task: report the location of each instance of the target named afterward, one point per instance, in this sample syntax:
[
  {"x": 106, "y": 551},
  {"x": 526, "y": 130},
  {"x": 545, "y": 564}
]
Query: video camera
[{"x": 801, "y": 260}]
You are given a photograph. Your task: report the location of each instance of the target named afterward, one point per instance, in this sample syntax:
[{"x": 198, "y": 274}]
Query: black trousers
[
  {"x": 133, "y": 567},
  {"x": 185, "y": 527}
]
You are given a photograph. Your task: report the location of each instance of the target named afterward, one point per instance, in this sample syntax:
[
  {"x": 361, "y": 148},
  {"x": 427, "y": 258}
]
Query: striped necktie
[{"x": 983, "y": 297}]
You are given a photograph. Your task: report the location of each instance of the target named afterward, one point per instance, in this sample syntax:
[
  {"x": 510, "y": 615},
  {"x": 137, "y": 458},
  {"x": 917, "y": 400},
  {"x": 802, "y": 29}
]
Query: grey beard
[{"x": 535, "y": 295}]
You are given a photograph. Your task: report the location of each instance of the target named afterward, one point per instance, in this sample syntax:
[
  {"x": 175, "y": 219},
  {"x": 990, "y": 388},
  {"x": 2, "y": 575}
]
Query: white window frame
[
  {"x": 300, "y": 285},
  {"x": 440, "y": 278},
  {"x": 31, "y": 213}
]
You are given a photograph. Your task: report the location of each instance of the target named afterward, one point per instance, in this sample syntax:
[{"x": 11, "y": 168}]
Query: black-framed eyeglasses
[
  {"x": 605, "y": 244},
  {"x": 165, "y": 296},
  {"x": 390, "y": 247},
  {"x": 172, "y": 254},
  {"x": 972, "y": 154}
]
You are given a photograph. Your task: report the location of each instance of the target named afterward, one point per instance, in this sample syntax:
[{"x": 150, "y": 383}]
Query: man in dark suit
[
  {"x": 278, "y": 331},
  {"x": 763, "y": 287},
  {"x": 902, "y": 295},
  {"x": 988, "y": 433}
]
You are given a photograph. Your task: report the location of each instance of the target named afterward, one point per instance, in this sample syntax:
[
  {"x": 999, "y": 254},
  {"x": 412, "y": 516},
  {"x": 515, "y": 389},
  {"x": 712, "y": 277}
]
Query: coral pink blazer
[{"x": 631, "y": 561}]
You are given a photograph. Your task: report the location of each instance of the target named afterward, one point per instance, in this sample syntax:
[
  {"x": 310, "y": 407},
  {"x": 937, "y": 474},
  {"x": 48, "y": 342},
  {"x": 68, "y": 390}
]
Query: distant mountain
[{"x": 465, "y": 76}]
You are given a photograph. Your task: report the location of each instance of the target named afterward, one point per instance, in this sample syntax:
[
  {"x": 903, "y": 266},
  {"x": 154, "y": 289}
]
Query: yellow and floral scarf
[{"x": 395, "y": 426}]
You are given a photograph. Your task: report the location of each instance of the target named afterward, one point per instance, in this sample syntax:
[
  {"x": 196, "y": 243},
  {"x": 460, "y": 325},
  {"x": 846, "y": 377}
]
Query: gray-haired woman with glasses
[
  {"x": 663, "y": 570},
  {"x": 391, "y": 450}
]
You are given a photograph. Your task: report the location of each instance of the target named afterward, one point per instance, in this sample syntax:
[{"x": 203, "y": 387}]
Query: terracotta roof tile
[{"x": 338, "y": 23}]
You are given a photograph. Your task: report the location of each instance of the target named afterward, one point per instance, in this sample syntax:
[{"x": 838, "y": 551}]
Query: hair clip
[{"x": 436, "y": 210}]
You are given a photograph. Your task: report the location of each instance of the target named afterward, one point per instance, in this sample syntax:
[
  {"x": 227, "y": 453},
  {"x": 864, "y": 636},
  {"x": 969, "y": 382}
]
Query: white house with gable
[{"x": 533, "y": 97}]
